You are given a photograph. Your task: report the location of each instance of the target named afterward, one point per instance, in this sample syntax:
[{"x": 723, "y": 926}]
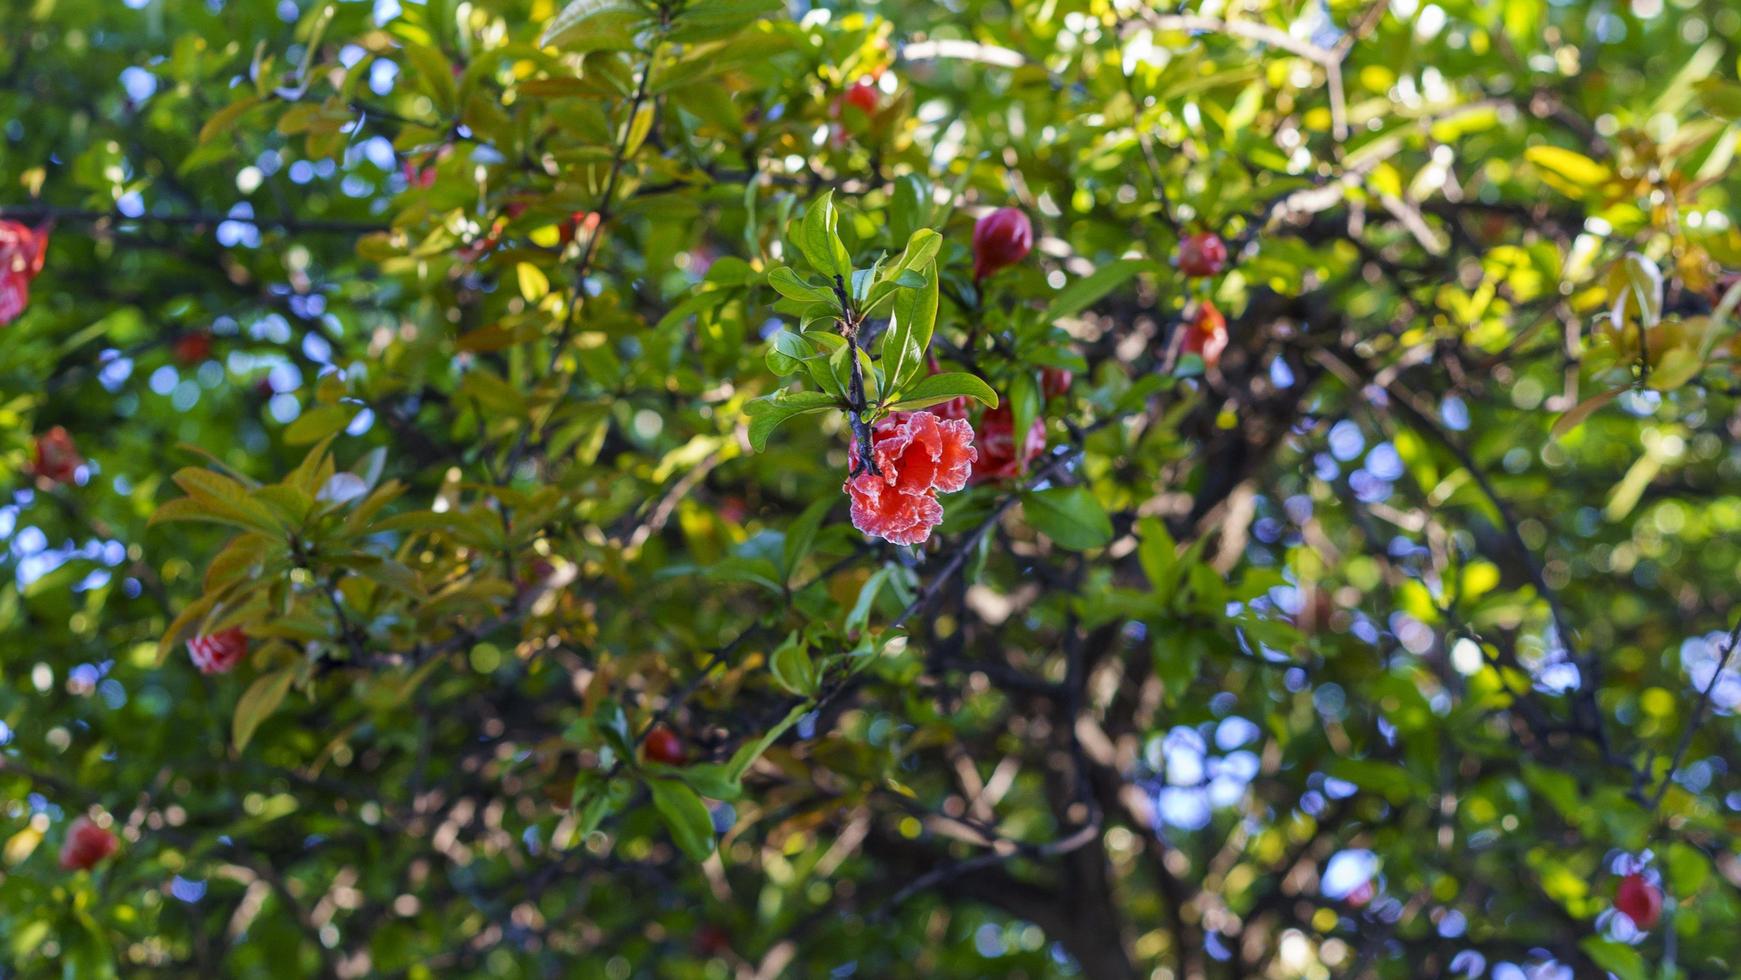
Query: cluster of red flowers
[
  {"x": 22, "y": 251},
  {"x": 921, "y": 453}
]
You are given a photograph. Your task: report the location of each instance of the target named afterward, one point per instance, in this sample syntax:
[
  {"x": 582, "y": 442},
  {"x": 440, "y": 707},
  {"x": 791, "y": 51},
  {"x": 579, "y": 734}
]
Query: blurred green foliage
[{"x": 439, "y": 347}]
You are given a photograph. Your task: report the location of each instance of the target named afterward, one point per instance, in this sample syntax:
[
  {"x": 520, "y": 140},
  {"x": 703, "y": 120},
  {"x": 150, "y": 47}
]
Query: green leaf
[
  {"x": 685, "y": 816},
  {"x": 317, "y": 423},
  {"x": 1156, "y": 551},
  {"x": 1616, "y": 957},
  {"x": 911, "y": 207},
  {"x": 257, "y": 704},
  {"x": 1559, "y": 789},
  {"x": 749, "y": 752},
  {"x": 788, "y": 284},
  {"x": 1388, "y": 780},
  {"x": 801, "y": 534},
  {"x": 534, "y": 285},
  {"x": 790, "y": 664},
  {"x": 786, "y": 353},
  {"x": 1686, "y": 868},
  {"x": 712, "y": 780},
  {"x": 767, "y": 414},
  {"x": 708, "y": 20},
  {"x": 1178, "y": 655},
  {"x": 819, "y": 239},
  {"x": 225, "y": 119},
  {"x": 1085, "y": 292},
  {"x": 1575, "y": 416},
  {"x": 909, "y": 334},
  {"x": 859, "y": 617},
  {"x": 922, "y": 248},
  {"x": 1720, "y": 98},
  {"x": 1070, "y": 516},
  {"x": 594, "y": 25},
  {"x": 938, "y": 388}
]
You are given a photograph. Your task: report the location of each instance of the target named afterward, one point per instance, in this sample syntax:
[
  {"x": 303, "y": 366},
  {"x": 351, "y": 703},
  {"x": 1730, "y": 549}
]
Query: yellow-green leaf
[{"x": 257, "y": 704}]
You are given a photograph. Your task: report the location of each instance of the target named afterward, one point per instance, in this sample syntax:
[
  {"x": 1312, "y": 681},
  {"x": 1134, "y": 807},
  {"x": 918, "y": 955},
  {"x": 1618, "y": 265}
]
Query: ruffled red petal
[
  {"x": 14, "y": 295},
  {"x": 917, "y": 455}
]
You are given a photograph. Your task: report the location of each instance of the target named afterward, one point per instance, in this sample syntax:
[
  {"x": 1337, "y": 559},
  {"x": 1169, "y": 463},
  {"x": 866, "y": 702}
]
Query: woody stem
[{"x": 861, "y": 430}]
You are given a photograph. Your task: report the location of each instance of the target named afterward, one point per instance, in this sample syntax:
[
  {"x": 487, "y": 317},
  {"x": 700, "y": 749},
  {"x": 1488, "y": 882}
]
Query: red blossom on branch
[
  {"x": 999, "y": 459},
  {"x": 22, "y": 252},
  {"x": 1206, "y": 335},
  {"x": 917, "y": 454},
  {"x": 1000, "y": 239},
  {"x": 57, "y": 459},
  {"x": 86, "y": 845}
]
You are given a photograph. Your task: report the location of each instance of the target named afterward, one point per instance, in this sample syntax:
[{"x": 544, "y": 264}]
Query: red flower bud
[
  {"x": 1055, "y": 381},
  {"x": 863, "y": 96},
  {"x": 57, "y": 459},
  {"x": 86, "y": 845},
  {"x": 1206, "y": 335},
  {"x": 663, "y": 745},
  {"x": 193, "y": 348},
  {"x": 220, "y": 652},
  {"x": 1202, "y": 254},
  {"x": 1639, "y": 900},
  {"x": 1001, "y": 238},
  {"x": 711, "y": 940}
]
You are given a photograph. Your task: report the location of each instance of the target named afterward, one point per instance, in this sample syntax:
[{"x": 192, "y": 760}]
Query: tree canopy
[{"x": 744, "y": 488}]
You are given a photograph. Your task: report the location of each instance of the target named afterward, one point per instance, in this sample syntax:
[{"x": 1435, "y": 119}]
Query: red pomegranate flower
[
  {"x": 57, "y": 458},
  {"x": 917, "y": 454},
  {"x": 1206, "y": 336},
  {"x": 418, "y": 176},
  {"x": 1001, "y": 238},
  {"x": 220, "y": 652},
  {"x": 22, "y": 249},
  {"x": 86, "y": 845},
  {"x": 22, "y": 252},
  {"x": 14, "y": 296},
  {"x": 997, "y": 446},
  {"x": 862, "y": 95}
]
